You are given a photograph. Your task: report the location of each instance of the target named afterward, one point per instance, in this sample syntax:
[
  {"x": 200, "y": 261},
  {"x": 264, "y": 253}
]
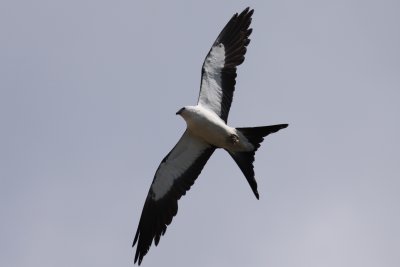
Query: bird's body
[
  {"x": 206, "y": 131},
  {"x": 208, "y": 126}
]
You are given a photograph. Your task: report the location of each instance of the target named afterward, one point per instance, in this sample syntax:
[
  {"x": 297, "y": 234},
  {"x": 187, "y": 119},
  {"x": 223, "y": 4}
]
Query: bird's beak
[{"x": 179, "y": 112}]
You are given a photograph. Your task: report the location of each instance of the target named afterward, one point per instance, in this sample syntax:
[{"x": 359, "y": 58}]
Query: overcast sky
[{"x": 88, "y": 95}]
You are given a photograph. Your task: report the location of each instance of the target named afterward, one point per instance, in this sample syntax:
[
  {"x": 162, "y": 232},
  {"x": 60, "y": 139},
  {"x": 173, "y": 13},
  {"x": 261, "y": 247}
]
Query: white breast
[{"x": 207, "y": 125}]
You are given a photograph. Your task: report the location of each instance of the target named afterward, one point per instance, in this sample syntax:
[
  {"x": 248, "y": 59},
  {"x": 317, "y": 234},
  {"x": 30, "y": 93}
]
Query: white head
[{"x": 186, "y": 112}]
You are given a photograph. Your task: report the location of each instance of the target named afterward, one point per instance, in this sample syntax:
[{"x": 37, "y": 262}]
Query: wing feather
[
  {"x": 219, "y": 68},
  {"x": 175, "y": 175}
]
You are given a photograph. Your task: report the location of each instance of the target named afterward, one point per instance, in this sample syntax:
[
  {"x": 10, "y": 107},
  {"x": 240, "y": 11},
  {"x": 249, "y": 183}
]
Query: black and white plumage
[{"x": 206, "y": 131}]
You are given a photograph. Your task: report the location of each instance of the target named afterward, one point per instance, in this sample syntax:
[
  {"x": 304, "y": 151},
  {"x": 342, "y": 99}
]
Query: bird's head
[
  {"x": 179, "y": 112},
  {"x": 187, "y": 112}
]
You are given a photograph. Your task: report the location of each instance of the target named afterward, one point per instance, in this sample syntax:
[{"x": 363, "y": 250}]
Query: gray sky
[{"x": 88, "y": 95}]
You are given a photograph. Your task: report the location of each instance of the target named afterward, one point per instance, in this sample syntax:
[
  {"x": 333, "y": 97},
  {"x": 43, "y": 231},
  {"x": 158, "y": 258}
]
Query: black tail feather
[{"x": 255, "y": 135}]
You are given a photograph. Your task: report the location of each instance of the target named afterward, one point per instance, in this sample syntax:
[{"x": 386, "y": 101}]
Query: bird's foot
[{"x": 233, "y": 139}]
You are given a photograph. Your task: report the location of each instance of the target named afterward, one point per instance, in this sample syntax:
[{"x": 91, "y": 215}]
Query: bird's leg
[{"x": 233, "y": 139}]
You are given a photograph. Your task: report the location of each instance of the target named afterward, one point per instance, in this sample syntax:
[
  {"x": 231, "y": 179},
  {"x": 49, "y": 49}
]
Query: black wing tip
[
  {"x": 248, "y": 11},
  {"x": 139, "y": 261},
  {"x": 256, "y": 194},
  {"x": 245, "y": 11},
  {"x": 285, "y": 125},
  {"x": 140, "y": 253},
  {"x": 136, "y": 237},
  {"x": 138, "y": 258},
  {"x": 254, "y": 188}
]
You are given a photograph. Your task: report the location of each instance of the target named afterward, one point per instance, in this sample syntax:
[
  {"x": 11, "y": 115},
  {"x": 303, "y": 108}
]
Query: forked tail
[{"x": 255, "y": 135}]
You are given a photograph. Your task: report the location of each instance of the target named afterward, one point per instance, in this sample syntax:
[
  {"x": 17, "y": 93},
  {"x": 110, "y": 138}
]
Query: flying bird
[{"x": 206, "y": 131}]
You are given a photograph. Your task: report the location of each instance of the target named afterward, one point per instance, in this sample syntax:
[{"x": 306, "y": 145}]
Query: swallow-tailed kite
[{"x": 206, "y": 131}]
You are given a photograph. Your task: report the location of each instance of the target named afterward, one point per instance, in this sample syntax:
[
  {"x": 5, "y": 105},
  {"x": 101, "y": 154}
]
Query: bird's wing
[
  {"x": 175, "y": 175},
  {"x": 219, "y": 68}
]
